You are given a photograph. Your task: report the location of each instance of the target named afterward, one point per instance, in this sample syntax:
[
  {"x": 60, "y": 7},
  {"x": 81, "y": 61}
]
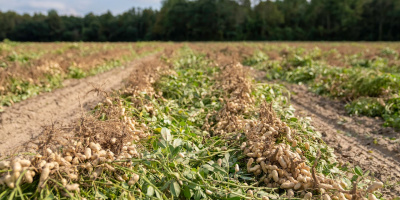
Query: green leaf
[
  {"x": 167, "y": 121},
  {"x": 100, "y": 195},
  {"x": 247, "y": 178},
  {"x": 158, "y": 195},
  {"x": 175, "y": 151},
  {"x": 208, "y": 167},
  {"x": 354, "y": 178},
  {"x": 50, "y": 197},
  {"x": 163, "y": 144},
  {"x": 150, "y": 191},
  {"x": 197, "y": 195},
  {"x": 187, "y": 192},
  {"x": 188, "y": 174},
  {"x": 177, "y": 142},
  {"x": 347, "y": 181},
  {"x": 217, "y": 168},
  {"x": 293, "y": 119},
  {"x": 125, "y": 185},
  {"x": 358, "y": 171},
  {"x": 157, "y": 130},
  {"x": 225, "y": 160},
  {"x": 236, "y": 194},
  {"x": 165, "y": 186},
  {"x": 175, "y": 189},
  {"x": 166, "y": 134},
  {"x": 367, "y": 173}
]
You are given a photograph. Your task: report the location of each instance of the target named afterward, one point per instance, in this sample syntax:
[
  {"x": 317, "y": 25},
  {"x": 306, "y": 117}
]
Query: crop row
[{"x": 186, "y": 127}]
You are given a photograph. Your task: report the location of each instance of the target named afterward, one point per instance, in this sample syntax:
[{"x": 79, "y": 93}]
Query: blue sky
[{"x": 76, "y": 7}]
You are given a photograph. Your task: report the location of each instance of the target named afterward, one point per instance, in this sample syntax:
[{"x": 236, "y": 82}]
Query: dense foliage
[{"x": 220, "y": 20}]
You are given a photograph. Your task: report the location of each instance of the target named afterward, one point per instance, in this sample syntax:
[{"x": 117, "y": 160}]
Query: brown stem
[
  {"x": 316, "y": 181},
  {"x": 353, "y": 192}
]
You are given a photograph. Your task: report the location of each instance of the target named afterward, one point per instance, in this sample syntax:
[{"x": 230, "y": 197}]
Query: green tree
[
  {"x": 55, "y": 25},
  {"x": 267, "y": 17}
]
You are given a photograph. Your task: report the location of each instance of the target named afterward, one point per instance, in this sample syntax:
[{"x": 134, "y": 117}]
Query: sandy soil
[{"x": 23, "y": 122}]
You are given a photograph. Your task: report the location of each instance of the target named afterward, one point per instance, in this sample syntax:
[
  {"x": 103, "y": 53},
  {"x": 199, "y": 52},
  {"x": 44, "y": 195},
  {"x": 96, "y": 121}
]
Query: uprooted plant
[{"x": 185, "y": 128}]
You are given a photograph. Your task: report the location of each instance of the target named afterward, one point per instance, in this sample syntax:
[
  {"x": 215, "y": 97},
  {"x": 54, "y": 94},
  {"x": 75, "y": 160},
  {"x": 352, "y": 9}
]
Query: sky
[{"x": 76, "y": 7}]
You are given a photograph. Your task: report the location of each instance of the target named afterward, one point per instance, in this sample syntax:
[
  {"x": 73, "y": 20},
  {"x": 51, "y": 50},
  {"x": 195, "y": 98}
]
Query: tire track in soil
[
  {"x": 23, "y": 122},
  {"x": 357, "y": 149}
]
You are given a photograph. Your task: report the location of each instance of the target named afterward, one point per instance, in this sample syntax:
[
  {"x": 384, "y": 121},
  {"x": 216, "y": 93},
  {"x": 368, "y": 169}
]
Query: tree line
[{"x": 217, "y": 20}]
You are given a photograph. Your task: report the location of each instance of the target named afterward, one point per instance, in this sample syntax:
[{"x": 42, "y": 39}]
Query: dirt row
[{"x": 23, "y": 122}]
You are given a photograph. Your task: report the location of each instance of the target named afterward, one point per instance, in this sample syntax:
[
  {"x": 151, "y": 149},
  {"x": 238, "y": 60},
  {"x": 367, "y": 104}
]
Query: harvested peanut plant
[{"x": 185, "y": 128}]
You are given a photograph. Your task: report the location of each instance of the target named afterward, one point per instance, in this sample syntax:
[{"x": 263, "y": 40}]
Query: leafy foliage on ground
[
  {"x": 370, "y": 85},
  {"x": 168, "y": 139}
]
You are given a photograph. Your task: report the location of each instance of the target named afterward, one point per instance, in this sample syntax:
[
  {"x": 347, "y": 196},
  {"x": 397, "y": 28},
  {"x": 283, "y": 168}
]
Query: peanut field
[{"x": 245, "y": 120}]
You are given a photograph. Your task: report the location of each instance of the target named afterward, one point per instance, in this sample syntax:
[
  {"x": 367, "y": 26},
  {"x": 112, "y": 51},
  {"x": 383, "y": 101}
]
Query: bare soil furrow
[{"x": 23, "y": 121}]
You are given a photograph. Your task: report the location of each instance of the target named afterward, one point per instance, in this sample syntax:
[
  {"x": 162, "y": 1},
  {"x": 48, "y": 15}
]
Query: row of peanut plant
[
  {"x": 370, "y": 86},
  {"x": 180, "y": 159}
]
